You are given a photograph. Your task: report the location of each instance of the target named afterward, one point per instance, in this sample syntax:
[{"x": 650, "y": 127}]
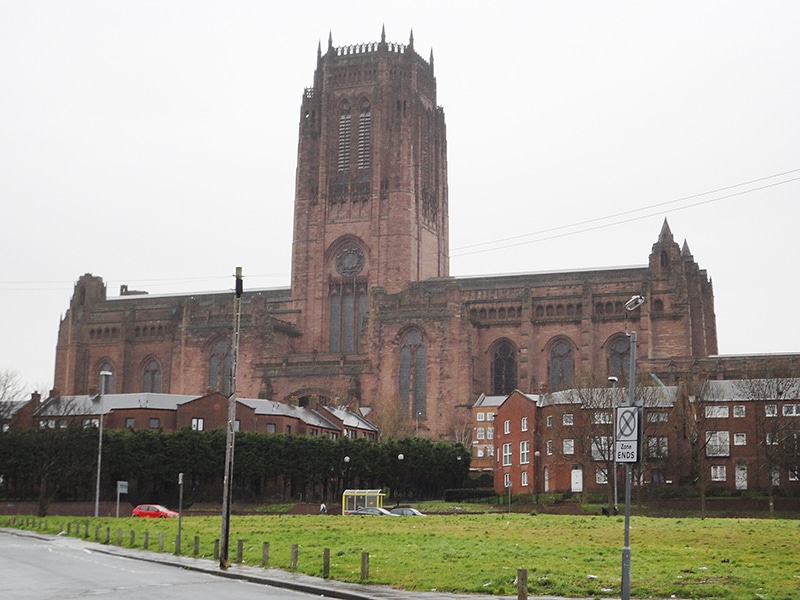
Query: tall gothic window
[
  {"x": 343, "y": 162},
  {"x": 220, "y": 368},
  {"x": 413, "y": 366},
  {"x": 619, "y": 358},
  {"x": 110, "y": 381},
  {"x": 152, "y": 377},
  {"x": 348, "y": 300},
  {"x": 364, "y": 135},
  {"x": 504, "y": 369},
  {"x": 562, "y": 366}
]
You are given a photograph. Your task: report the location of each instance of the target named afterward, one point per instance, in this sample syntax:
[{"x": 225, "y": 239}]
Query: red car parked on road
[{"x": 154, "y": 511}]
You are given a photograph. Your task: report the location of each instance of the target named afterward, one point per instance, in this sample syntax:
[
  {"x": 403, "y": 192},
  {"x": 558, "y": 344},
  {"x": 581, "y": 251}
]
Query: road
[{"x": 63, "y": 568}]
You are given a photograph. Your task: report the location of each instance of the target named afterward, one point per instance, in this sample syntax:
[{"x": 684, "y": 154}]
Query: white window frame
[
  {"x": 507, "y": 480},
  {"x": 718, "y": 443},
  {"x": 657, "y": 416},
  {"x": 524, "y": 424},
  {"x": 771, "y": 410},
  {"x": 490, "y": 416},
  {"x": 601, "y": 475},
  {"x": 490, "y": 433},
  {"x": 481, "y": 416},
  {"x": 525, "y": 452},
  {"x": 506, "y": 426},
  {"x": 568, "y": 419},
  {"x": 198, "y": 423},
  {"x": 549, "y": 445},
  {"x": 507, "y": 454},
  {"x": 719, "y": 473},
  {"x": 601, "y": 447},
  {"x": 717, "y": 411},
  {"x": 740, "y": 439},
  {"x": 739, "y": 411},
  {"x": 549, "y": 421},
  {"x": 480, "y": 433},
  {"x": 569, "y": 446},
  {"x": 524, "y": 479},
  {"x": 601, "y": 418}
]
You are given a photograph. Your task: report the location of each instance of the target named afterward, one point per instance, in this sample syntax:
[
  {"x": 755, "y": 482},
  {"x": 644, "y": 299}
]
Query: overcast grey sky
[{"x": 153, "y": 143}]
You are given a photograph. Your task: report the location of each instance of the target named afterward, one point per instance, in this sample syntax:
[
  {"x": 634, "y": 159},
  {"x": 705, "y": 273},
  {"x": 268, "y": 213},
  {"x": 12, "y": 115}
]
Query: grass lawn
[{"x": 574, "y": 556}]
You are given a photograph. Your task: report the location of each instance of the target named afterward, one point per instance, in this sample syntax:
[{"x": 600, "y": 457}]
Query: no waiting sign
[{"x": 627, "y": 435}]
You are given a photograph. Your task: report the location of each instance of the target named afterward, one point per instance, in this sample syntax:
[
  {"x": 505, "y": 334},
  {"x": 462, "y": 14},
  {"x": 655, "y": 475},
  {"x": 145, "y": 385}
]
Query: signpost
[
  {"x": 122, "y": 488},
  {"x": 627, "y": 435}
]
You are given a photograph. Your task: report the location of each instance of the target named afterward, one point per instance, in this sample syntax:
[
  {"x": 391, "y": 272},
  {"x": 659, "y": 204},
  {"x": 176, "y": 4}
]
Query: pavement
[{"x": 274, "y": 577}]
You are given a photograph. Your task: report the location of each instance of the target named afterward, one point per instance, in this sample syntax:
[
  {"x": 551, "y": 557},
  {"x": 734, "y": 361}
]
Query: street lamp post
[
  {"x": 536, "y": 456},
  {"x": 104, "y": 375},
  {"x": 632, "y": 304},
  {"x": 613, "y": 381}
]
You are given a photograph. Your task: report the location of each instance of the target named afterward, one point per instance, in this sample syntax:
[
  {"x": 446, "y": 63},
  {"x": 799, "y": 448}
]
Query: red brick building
[{"x": 372, "y": 317}]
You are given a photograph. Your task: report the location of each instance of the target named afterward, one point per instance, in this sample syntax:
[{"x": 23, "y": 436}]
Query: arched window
[
  {"x": 152, "y": 378},
  {"x": 364, "y": 135},
  {"x": 343, "y": 163},
  {"x": 110, "y": 380},
  {"x": 413, "y": 366},
  {"x": 504, "y": 369},
  {"x": 562, "y": 366},
  {"x": 619, "y": 358},
  {"x": 347, "y": 298},
  {"x": 220, "y": 368}
]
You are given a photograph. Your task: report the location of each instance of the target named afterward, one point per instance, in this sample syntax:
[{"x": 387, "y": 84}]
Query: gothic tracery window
[
  {"x": 619, "y": 358},
  {"x": 152, "y": 378},
  {"x": 562, "y": 366},
  {"x": 504, "y": 369},
  {"x": 220, "y": 368},
  {"x": 343, "y": 162},
  {"x": 413, "y": 366},
  {"x": 364, "y": 135},
  {"x": 347, "y": 300}
]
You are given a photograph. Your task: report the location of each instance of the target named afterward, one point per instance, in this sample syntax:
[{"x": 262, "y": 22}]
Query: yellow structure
[{"x": 355, "y": 499}]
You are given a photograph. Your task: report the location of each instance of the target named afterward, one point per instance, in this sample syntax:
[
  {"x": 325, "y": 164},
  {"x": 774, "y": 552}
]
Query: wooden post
[
  {"x": 522, "y": 584},
  {"x": 196, "y": 545},
  {"x": 108, "y": 535},
  {"x": 86, "y": 530},
  {"x": 364, "y": 566},
  {"x": 265, "y": 554},
  {"x": 160, "y": 542},
  {"x": 239, "y": 550},
  {"x": 216, "y": 549},
  {"x": 133, "y": 537},
  {"x": 326, "y": 562},
  {"x": 119, "y": 536},
  {"x": 146, "y": 540},
  {"x": 96, "y": 533},
  {"x": 293, "y": 564}
]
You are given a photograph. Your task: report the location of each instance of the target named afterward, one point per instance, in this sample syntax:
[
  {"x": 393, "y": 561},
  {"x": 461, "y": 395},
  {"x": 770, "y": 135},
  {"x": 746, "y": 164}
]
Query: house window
[
  {"x": 791, "y": 410},
  {"x": 794, "y": 473},
  {"x": 718, "y": 473},
  {"x": 480, "y": 450},
  {"x": 413, "y": 367},
  {"x": 524, "y": 424},
  {"x": 220, "y": 368},
  {"x": 601, "y": 418},
  {"x": 562, "y": 366},
  {"x": 569, "y": 446},
  {"x": 776, "y": 476},
  {"x": 480, "y": 433},
  {"x": 657, "y": 447},
  {"x": 771, "y": 410},
  {"x": 549, "y": 421},
  {"x": 313, "y": 431},
  {"x": 507, "y": 480},
  {"x": 718, "y": 443},
  {"x": 154, "y": 423},
  {"x": 601, "y": 447},
  {"x": 549, "y": 447},
  {"x": 738, "y": 411},
  {"x": 197, "y": 424},
  {"x": 657, "y": 417},
  {"x": 716, "y": 412},
  {"x": 129, "y": 421},
  {"x": 524, "y": 478},
  {"x": 567, "y": 419},
  {"x": 601, "y": 476},
  {"x": 739, "y": 439},
  {"x": 481, "y": 416},
  {"x": 504, "y": 369},
  {"x": 524, "y": 452},
  {"x": 506, "y": 455},
  {"x": 152, "y": 378},
  {"x": 271, "y": 428},
  {"x": 490, "y": 416},
  {"x": 506, "y": 426},
  {"x": 490, "y": 433},
  {"x": 772, "y": 439}
]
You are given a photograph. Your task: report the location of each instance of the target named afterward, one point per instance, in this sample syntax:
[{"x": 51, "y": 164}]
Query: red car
[{"x": 154, "y": 511}]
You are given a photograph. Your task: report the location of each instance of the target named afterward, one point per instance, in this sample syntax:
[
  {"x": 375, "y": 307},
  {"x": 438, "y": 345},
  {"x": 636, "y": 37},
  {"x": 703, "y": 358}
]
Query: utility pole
[{"x": 224, "y": 563}]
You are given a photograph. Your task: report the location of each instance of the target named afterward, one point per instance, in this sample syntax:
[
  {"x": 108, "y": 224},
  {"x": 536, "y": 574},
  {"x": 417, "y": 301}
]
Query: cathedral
[{"x": 373, "y": 320}]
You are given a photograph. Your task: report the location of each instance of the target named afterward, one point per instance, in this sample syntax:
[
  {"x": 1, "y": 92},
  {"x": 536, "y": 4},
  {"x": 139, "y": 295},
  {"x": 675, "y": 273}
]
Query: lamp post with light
[
  {"x": 536, "y": 456},
  {"x": 104, "y": 375}
]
